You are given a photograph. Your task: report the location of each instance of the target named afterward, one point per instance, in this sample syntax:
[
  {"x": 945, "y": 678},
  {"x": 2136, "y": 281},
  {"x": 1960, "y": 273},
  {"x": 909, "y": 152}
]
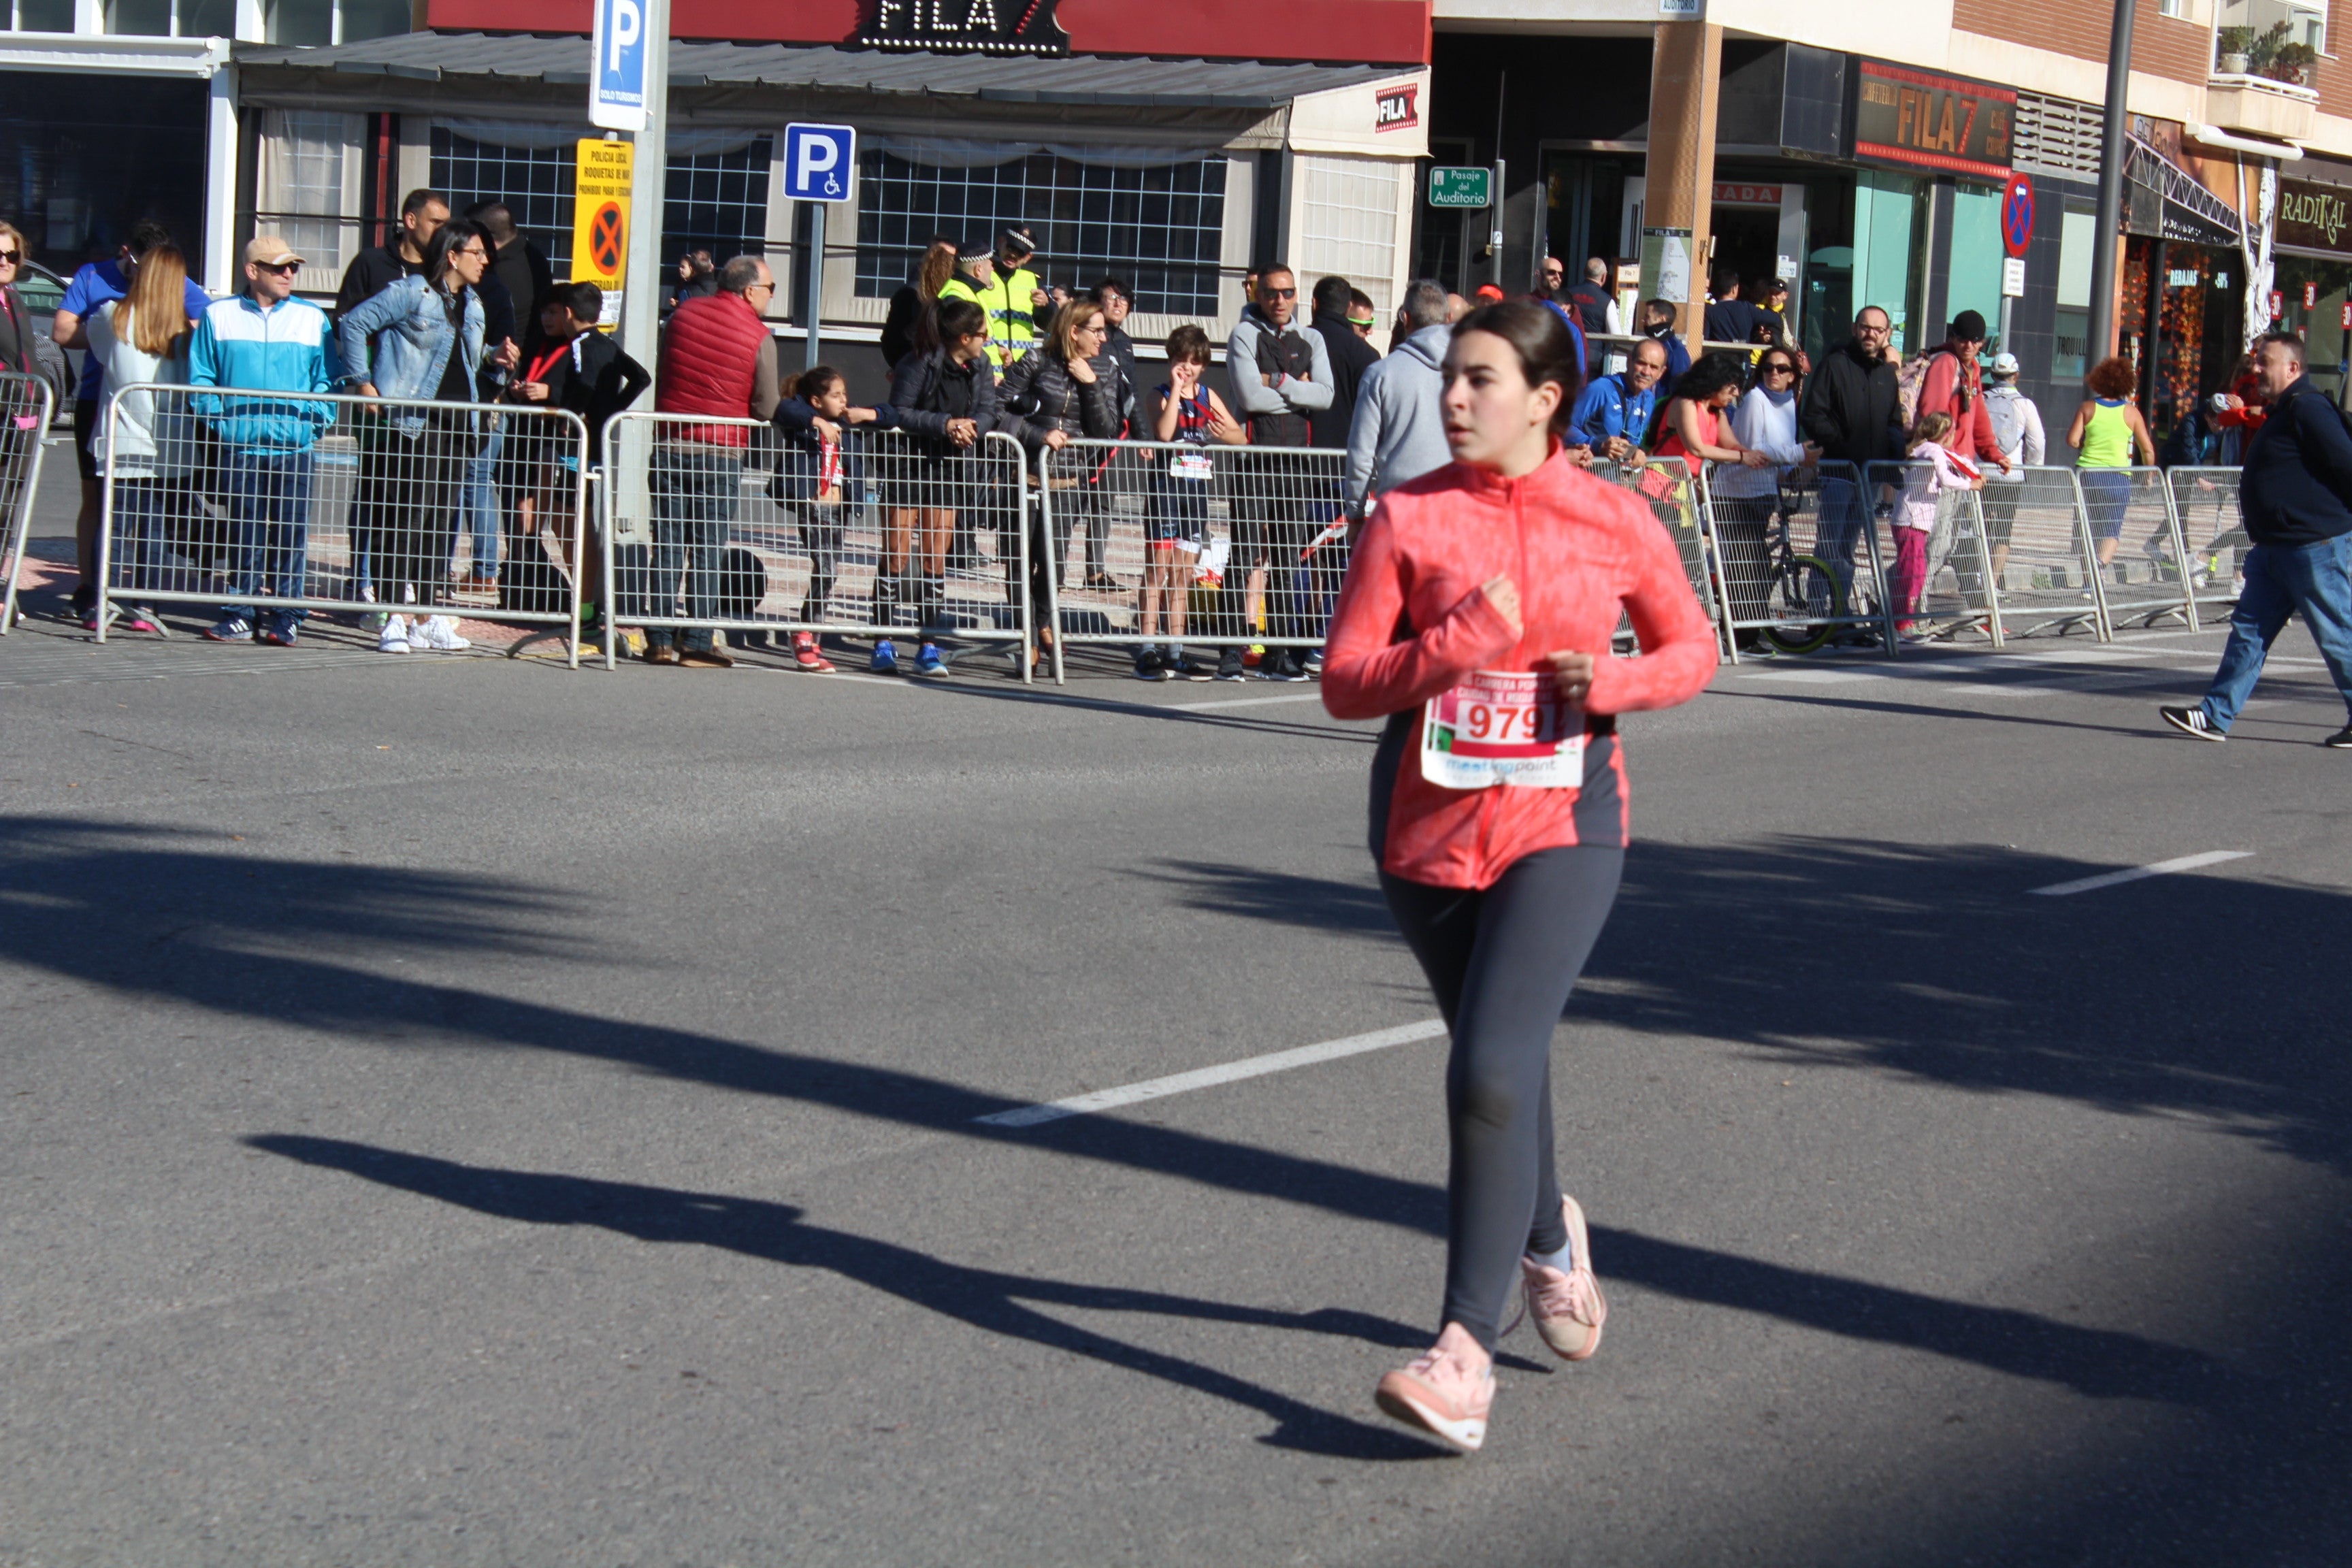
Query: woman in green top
[{"x": 2106, "y": 429}]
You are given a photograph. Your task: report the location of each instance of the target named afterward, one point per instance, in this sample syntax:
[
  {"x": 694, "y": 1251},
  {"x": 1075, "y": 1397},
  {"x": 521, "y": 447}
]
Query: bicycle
[{"x": 1804, "y": 599}]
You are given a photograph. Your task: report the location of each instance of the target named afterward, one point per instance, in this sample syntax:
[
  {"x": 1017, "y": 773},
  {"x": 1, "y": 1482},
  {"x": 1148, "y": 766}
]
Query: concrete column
[
  {"x": 223, "y": 253},
  {"x": 1685, "y": 74}
]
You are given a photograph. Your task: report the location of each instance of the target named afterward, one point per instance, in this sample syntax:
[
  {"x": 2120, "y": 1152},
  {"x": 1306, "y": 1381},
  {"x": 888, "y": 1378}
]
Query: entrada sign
[
  {"x": 981, "y": 26},
  {"x": 1905, "y": 116}
]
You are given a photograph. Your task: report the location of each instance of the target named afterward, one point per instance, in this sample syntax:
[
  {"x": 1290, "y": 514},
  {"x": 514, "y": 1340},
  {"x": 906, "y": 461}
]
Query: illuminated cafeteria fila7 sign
[{"x": 1931, "y": 121}]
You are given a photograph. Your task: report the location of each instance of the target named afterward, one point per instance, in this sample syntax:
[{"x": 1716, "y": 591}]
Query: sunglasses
[
  {"x": 11, "y": 257},
  {"x": 282, "y": 269},
  {"x": 1780, "y": 367},
  {"x": 1279, "y": 293}
]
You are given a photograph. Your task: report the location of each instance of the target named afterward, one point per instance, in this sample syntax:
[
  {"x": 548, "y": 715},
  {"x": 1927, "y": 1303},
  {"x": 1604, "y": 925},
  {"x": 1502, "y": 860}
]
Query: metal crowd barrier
[
  {"x": 1938, "y": 578},
  {"x": 1220, "y": 546},
  {"x": 2214, "y": 532},
  {"x": 1796, "y": 564},
  {"x": 269, "y": 505},
  {"x": 2045, "y": 561},
  {"x": 1678, "y": 499},
  {"x": 2135, "y": 538},
  {"x": 26, "y": 405},
  {"x": 714, "y": 524}
]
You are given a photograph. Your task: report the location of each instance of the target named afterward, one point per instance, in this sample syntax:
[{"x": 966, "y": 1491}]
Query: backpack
[
  {"x": 1912, "y": 381},
  {"x": 2008, "y": 419}
]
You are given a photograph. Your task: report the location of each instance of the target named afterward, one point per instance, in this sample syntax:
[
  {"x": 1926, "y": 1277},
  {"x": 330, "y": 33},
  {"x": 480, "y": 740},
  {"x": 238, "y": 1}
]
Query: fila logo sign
[{"x": 1397, "y": 108}]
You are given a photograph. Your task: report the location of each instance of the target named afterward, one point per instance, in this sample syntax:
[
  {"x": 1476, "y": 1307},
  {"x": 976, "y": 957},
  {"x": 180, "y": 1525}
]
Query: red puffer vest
[
  {"x": 1413, "y": 621},
  {"x": 708, "y": 354}
]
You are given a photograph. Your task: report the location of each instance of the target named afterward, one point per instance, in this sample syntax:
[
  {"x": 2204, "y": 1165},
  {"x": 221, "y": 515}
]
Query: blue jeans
[
  {"x": 269, "y": 527},
  {"x": 696, "y": 492},
  {"x": 2279, "y": 580},
  {"x": 481, "y": 505},
  {"x": 1834, "y": 538},
  {"x": 2107, "y": 494}
]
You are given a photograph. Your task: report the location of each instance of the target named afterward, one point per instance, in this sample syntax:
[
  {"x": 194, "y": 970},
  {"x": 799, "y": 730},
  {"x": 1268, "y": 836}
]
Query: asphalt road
[{"x": 457, "y": 1110}]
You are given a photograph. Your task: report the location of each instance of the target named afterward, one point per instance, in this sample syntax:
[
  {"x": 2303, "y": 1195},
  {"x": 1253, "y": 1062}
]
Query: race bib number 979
[{"x": 1503, "y": 727}]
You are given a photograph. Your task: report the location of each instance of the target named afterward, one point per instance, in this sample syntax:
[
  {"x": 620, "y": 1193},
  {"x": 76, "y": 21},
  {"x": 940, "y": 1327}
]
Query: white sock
[{"x": 1564, "y": 1259}]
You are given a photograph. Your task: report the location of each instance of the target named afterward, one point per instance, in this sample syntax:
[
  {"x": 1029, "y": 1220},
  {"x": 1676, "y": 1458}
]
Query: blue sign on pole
[
  {"x": 617, "y": 78},
  {"x": 818, "y": 162}
]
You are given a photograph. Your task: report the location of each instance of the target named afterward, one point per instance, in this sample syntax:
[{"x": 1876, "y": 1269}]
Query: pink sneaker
[
  {"x": 1440, "y": 1394},
  {"x": 1568, "y": 1308}
]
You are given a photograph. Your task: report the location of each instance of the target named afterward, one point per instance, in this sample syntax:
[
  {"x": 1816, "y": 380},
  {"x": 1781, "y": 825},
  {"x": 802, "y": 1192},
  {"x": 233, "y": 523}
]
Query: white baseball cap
[{"x": 2003, "y": 364}]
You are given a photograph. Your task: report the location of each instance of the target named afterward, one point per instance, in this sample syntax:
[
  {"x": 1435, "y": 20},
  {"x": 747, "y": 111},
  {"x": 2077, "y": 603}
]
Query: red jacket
[
  {"x": 1412, "y": 622},
  {"x": 709, "y": 361},
  {"x": 1955, "y": 386}
]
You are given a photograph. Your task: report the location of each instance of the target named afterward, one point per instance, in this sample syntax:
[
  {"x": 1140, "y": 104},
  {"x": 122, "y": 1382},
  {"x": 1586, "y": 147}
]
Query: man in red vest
[{"x": 719, "y": 359}]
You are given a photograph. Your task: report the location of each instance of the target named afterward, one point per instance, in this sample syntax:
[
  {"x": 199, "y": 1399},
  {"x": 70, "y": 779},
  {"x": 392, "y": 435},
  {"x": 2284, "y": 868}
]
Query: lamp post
[{"x": 2111, "y": 189}]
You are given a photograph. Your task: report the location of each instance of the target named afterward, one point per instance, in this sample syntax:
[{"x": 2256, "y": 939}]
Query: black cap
[
  {"x": 1016, "y": 242},
  {"x": 975, "y": 249},
  {"x": 1968, "y": 327}
]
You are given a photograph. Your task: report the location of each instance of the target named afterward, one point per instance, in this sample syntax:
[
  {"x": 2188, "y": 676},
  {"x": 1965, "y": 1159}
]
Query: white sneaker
[
  {"x": 394, "y": 637},
  {"x": 438, "y": 632}
]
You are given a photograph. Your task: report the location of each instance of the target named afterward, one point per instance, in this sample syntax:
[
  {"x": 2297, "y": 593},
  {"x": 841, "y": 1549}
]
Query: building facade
[{"x": 1864, "y": 154}]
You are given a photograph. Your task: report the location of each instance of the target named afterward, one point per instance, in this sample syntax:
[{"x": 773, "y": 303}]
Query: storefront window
[
  {"x": 78, "y": 169},
  {"x": 1160, "y": 226},
  {"x": 1349, "y": 222},
  {"x": 2329, "y": 280},
  {"x": 44, "y": 16},
  {"x": 1890, "y": 227},
  {"x": 1974, "y": 258},
  {"x": 1827, "y": 314},
  {"x": 2078, "y": 235}
]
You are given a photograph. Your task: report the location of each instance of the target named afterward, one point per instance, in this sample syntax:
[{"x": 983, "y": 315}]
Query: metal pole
[
  {"x": 649, "y": 185},
  {"x": 2111, "y": 189},
  {"x": 1494, "y": 240},
  {"x": 813, "y": 263}
]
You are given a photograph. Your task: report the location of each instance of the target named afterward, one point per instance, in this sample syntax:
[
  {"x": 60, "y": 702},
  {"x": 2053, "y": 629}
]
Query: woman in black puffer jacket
[{"x": 1068, "y": 388}]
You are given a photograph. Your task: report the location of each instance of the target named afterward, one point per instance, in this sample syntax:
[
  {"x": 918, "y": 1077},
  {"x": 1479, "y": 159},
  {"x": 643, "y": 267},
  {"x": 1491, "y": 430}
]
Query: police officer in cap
[{"x": 1014, "y": 323}]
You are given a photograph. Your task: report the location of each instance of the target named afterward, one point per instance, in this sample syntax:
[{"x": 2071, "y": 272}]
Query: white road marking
[
  {"x": 2162, "y": 868},
  {"x": 1207, "y": 1078},
  {"x": 1246, "y": 701}
]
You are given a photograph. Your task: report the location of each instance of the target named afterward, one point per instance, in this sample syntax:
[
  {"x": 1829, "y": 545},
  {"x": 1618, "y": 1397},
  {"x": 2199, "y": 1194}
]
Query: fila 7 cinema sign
[{"x": 1929, "y": 121}]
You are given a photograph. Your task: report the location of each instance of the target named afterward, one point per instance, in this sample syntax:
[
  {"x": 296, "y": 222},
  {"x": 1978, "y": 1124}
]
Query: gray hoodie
[{"x": 1398, "y": 431}]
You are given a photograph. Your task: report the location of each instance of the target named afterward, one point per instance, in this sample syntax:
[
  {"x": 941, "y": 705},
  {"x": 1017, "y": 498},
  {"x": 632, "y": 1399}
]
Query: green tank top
[{"x": 2106, "y": 436}]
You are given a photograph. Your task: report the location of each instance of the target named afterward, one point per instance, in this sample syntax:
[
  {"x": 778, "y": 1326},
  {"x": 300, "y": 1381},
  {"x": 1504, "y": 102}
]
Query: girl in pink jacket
[{"x": 1929, "y": 483}]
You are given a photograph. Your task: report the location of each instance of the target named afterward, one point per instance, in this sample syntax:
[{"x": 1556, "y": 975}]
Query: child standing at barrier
[
  {"x": 570, "y": 365},
  {"x": 1933, "y": 472},
  {"x": 815, "y": 471},
  {"x": 1175, "y": 529}
]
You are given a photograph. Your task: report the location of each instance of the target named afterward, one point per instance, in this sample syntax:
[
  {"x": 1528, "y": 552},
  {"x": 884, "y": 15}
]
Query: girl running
[
  {"x": 1476, "y": 617},
  {"x": 1186, "y": 410}
]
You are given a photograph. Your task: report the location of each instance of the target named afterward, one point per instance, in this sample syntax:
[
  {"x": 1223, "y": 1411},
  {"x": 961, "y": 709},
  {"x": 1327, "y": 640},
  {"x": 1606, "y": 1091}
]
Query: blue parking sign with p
[
  {"x": 818, "y": 162},
  {"x": 617, "y": 90}
]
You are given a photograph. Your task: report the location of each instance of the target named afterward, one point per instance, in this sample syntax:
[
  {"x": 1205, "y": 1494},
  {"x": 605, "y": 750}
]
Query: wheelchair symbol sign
[{"x": 818, "y": 160}]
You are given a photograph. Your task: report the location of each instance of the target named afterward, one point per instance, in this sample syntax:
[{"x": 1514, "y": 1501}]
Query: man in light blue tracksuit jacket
[
  {"x": 1398, "y": 431},
  {"x": 265, "y": 341}
]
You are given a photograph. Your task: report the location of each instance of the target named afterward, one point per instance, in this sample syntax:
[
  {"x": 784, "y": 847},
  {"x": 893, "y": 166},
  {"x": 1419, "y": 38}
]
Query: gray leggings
[{"x": 1502, "y": 962}]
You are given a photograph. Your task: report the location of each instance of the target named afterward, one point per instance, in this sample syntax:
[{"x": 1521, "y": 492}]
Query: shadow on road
[
  {"x": 272, "y": 958},
  {"x": 984, "y": 1298}
]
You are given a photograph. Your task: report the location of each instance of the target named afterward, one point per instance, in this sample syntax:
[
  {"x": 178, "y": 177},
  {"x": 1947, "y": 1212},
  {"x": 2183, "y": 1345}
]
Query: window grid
[
  {"x": 1350, "y": 224},
  {"x": 1161, "y": 229},
  {"x": 715, "y": 201},
  {"x": 311, "y": 147}
]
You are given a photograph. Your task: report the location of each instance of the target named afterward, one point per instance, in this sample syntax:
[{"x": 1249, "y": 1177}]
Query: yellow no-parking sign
[{"x": 600, "y": 218}]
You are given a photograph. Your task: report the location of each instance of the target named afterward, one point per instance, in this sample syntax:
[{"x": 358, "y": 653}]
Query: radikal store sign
[
  {"x": 1931, "y": 121},
  {"x": 2313, "y": 216}
]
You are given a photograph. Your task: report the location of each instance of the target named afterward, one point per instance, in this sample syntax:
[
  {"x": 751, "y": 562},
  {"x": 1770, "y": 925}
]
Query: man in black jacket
[
  {"x": 422, "y": 214},
  {"x": 517, "y": 261},
  {"x": 1853, "y": 412},
  {"x": 2296, "y": 493},
  {"x": 1351, "y": 357}
]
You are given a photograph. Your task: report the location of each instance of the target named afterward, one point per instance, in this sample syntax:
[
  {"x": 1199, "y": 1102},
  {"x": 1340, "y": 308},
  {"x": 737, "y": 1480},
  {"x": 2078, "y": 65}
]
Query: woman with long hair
[
  {"x": 1476, "y": 617},
  {"x": 913, "y": 299},
  {"x": 945, "y": 394},
  {"x": 1065, "y": 390},
  {"x": 144, "y": 440},
  {"x": 420, "y": 338}
]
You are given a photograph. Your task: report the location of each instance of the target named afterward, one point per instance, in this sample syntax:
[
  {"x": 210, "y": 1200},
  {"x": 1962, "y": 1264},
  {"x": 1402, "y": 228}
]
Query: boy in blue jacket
[{"x": 265, "y": 341}]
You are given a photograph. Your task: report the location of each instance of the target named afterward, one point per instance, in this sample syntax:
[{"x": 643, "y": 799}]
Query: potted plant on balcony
[
  {"x": 2295, "y": 64},
  {"x": 2233, "y": 45}
]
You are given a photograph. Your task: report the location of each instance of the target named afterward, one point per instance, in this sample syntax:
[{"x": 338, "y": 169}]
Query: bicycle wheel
[{"x": 1798, "y": 584}]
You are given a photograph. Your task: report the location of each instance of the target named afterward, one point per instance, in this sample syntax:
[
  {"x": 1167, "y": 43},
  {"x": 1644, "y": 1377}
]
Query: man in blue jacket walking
[
  {"x": 265, "y": 341},
  {"x": 2296, "y": 493}
]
